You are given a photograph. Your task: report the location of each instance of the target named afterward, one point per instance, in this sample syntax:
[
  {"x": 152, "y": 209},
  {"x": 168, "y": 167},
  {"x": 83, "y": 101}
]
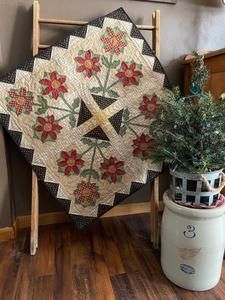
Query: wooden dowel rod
[
  {"x": 145, "y": 27},
  {"x": 42, "y": 46},
  {"x": 70, "y": 22},
  {"x": 61, "y": 22}
]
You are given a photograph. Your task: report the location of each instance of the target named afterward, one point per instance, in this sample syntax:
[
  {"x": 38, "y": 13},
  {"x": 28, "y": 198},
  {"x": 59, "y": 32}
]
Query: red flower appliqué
[
  {"x": 112, "y": 169},
  {"x": 128, "y": 74},
  {"x": 70, "y": 162},
  {"x": 86, "y": 194},
  {"x": 114, "y": 40},
  {"x": 20, "y": 101},
  {"x": 88, "y": 63},
  {"x": 142, "y": 146},
  {"x": 54, "y": 85},
  {"x": 149, "y": 106},
  {"x": 46, "y": 129}
]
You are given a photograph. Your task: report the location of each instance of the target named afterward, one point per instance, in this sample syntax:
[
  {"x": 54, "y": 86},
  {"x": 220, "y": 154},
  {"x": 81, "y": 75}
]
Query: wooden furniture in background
[
  {"x": 155, "y": 205},
  {"x": 215, "y": 61}
]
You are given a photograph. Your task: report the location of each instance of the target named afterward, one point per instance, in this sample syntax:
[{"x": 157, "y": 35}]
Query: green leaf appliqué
[{"x": 113, "y": 94}]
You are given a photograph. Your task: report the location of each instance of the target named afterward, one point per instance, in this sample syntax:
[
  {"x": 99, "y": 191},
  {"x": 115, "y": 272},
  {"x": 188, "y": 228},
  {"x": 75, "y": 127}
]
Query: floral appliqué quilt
[{"x": 80, "y": 111}]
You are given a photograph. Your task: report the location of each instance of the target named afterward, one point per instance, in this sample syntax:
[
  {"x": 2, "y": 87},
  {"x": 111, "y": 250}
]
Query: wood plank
[
  {"x": 25, "y": 280},
  {"x": 218, "y": 89},
  {"x": 63, "y": 284},
  {"x": 34, "y": 196},
  {"x": 73, "y": 22},
  {"x": 36, "y": 28},
  {"x": 43, "y": 288},
  {"x": 128, "y": 209},
  {"x": 120, "y": 234},
  {"x": 156, "y": 32},
  {"x": 216, "y": 64},
  {"x": 91, "y": 279},
  {"x": 62, "y": 217},
  {"x": 6, "y": 233},
  {"x": 81, "y": 270},
  {"x": 8, "y": 267},
  {"x": 83, "y": 281},
  {"x": 189, "y": 57},
  {"x": 34, "y": 215},
  {"x": 122, "y": 287},
  {"x": 215, "y": 83},
  {"x": 102, "y": 280},
  {"x": 141, "y": 287},
  {"x": 150, "y": 262},
  {"x": 44, "y": 219},
  {"x": 153, "y": 214},
  {"x": 90, "y": 272},
  {"x": 45, "y": 260},
  {"x": 111, "y": 252},
  {"x": 157, "y": 218}
]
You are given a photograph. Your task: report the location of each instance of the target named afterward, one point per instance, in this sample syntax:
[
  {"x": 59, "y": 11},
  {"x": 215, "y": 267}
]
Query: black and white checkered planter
[{"x": 195, "y": 189}]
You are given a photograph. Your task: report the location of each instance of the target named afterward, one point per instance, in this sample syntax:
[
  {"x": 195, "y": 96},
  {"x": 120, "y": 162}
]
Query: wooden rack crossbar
[
  {"x": 78, "y": 23},
  {"x": 154, "y": 206}
]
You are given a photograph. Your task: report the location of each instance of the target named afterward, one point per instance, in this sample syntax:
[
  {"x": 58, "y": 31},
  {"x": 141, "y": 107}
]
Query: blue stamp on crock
[{"x": 187, "y": 269}]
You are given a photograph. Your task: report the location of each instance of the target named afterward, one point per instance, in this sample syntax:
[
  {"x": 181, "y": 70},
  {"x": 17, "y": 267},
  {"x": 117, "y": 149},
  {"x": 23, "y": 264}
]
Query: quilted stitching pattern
[{"x": 80, "y": 110}]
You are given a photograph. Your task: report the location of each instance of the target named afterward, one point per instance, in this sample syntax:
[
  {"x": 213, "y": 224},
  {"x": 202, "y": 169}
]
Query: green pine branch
[{"x": 190, "y": 131}]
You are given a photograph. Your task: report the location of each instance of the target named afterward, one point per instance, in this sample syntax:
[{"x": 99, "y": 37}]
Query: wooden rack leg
[
  {"x": 156, "y": 32},
  {"x": 34, "y": 215},
  {"x": 152, "y": 213},
  {"x": 155, "y": 213}
]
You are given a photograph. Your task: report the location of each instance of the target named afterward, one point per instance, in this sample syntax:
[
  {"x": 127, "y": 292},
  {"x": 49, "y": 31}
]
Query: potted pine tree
[{"x": 189, "y": 135}]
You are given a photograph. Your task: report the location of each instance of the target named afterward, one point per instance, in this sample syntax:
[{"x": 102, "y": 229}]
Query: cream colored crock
[{"x": 192, "y": 245}]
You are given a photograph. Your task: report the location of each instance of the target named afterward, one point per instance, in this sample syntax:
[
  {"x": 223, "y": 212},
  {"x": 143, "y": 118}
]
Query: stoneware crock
[{"x": 192, "y": 245}]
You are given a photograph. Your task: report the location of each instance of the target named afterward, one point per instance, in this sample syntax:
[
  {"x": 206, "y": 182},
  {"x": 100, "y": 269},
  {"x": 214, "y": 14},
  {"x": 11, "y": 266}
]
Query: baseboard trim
[
  {"x": 61, "y": 217},
  {"x": 6, "y": 233},
  {"x": 44, "y": 219}
]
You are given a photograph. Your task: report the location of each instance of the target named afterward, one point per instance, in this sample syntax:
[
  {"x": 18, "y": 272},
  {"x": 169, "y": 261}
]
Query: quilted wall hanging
[{"x": 80, "y": 110}]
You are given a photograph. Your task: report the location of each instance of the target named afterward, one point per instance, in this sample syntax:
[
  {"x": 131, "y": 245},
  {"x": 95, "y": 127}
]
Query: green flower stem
[
  {"x": 86, "y": 151},
  {"x": 107, "y": 75},
  {"x": 101, "y": 153},
  {"x": 64, "y": 117},
  {"x": 64, "y": 100},
  {"x": 132, "y": 130},
  {"x": 135, "y": 117},
  {"x": 61, "y": 109},
  {"x": 55, "y": 107},
  {"x": 92, "y": 160},
  {"x": 114, "y": 83},
  {"x": 99, "y": 81}
]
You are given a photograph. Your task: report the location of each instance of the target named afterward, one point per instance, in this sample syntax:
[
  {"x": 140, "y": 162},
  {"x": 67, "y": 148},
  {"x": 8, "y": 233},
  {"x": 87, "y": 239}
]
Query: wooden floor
[{"x": 112, "y": 260}]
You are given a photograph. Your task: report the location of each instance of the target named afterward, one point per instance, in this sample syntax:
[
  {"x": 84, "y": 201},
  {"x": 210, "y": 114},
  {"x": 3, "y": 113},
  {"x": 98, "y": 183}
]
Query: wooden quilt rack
[{"x": 154, "y": 206}]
